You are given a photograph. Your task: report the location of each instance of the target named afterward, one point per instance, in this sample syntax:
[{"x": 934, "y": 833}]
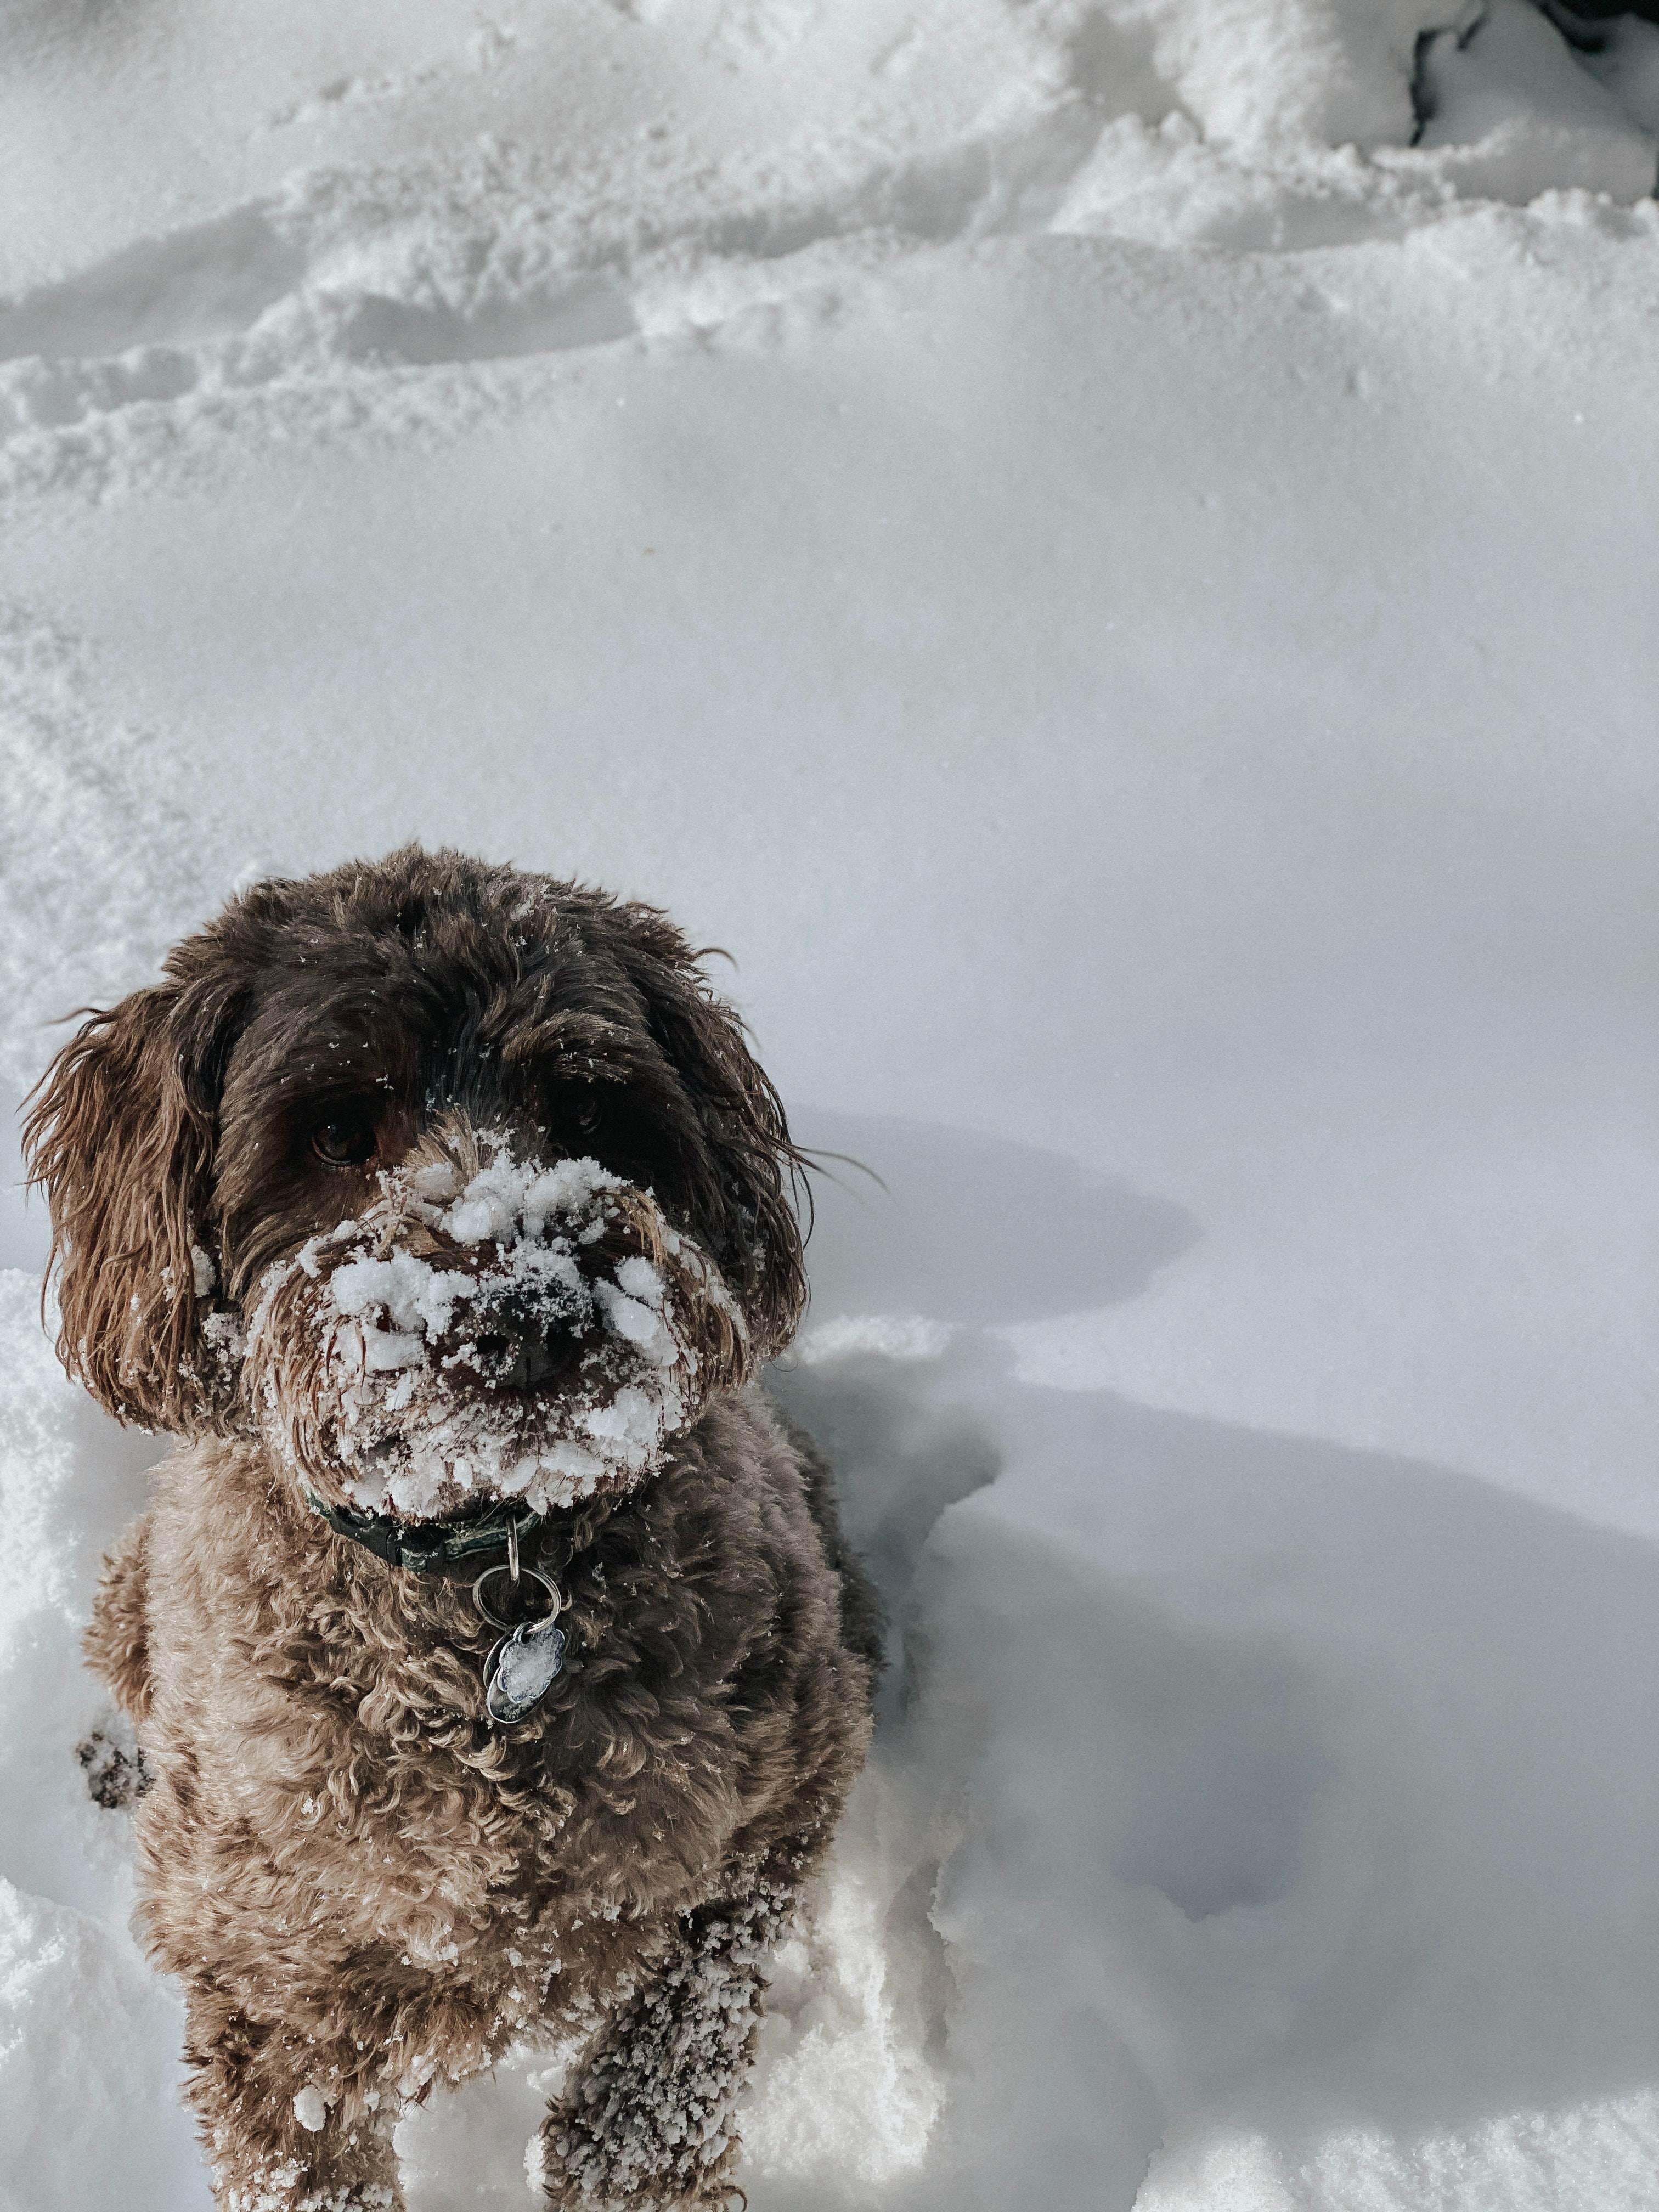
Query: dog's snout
[{"x": 540, "y": 1329}]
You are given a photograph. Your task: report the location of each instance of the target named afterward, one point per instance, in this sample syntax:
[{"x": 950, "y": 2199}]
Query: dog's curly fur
[{"x": 364, "y": 1887}]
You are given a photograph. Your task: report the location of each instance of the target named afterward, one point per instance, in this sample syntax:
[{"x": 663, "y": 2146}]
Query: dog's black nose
[
  {"x": 518, "y": 1344},
  {"x": 506, "y": 1361}
]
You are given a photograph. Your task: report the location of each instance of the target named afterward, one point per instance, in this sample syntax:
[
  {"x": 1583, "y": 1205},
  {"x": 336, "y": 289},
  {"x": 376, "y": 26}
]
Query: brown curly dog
[{"x": 495, "y": 1656}]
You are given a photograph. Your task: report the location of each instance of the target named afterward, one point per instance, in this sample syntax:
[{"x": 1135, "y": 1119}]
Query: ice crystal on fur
[{"x": 491, "y": 1328}]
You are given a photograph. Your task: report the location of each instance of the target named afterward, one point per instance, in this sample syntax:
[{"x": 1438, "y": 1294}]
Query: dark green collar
[{"x": 426, "y": 1547}]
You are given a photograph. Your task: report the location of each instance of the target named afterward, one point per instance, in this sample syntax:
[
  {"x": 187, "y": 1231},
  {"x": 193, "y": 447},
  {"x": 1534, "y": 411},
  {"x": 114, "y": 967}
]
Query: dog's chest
[{"x": 334, "y": 1708}]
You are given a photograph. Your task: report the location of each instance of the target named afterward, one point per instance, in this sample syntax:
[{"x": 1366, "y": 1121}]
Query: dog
[{"x": 497, "y": 1663}]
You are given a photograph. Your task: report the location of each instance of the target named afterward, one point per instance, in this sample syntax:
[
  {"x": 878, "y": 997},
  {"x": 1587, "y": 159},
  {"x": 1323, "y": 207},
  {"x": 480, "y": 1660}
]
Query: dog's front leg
[
  {"x": 646, "y": 2120},
  {"x": 117, "y": 1641},
  {"x": 287, "y": 2128}
]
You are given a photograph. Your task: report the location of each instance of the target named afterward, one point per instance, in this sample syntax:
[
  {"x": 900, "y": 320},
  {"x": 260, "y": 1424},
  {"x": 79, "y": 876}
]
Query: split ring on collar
[{"x": 515, "y": 1584}]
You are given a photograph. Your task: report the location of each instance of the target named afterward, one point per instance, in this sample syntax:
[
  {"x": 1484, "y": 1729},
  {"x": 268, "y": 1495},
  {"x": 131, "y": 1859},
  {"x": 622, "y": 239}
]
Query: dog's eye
[
  {"x": 588, "y": 1117},
  {"x": 344, "y": 1141}
]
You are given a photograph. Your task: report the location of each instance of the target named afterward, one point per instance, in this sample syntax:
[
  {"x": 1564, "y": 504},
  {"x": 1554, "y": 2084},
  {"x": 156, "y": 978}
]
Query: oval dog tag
[{"x": 522, "y": 1669}]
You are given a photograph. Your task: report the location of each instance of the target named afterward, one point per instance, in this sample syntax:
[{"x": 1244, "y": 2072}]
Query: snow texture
[{"x": 1107, "y": 549}]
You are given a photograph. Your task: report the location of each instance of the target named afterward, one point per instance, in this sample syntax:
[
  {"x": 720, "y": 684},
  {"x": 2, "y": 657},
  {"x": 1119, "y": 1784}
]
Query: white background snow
[{"x": 1107, "y": 549}]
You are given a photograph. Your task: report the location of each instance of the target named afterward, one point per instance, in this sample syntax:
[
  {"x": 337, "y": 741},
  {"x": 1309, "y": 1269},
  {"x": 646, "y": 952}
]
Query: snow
[
  {"x": 1105, "y": 549},
  {"x": 310, "y": 2109},
  {"x": 1530, "y": 116}
]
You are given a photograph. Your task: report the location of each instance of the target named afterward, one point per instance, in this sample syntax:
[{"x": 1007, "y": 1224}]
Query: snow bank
[
  {"x": 88, "y": 2039},
  {"x": 89, "y": 2074},
  {"x": 1265, "y": 1793},
  {"x": 1107, "y": 551}
]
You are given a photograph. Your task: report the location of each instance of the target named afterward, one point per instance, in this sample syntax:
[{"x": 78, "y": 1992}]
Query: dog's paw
[
  {"x": 117, "y": 1776},
  {"x": 574, "y": 2175}
]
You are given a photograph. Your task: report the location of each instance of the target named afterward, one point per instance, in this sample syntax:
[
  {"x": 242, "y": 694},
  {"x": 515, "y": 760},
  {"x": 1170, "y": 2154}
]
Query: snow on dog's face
[
  {"x": 488, "y": 1328},
  {"x": 446, "y": 1179}
]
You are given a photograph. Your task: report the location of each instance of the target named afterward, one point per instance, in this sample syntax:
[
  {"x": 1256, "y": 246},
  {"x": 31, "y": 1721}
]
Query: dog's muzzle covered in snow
[{"x": 490, "y": 1329}]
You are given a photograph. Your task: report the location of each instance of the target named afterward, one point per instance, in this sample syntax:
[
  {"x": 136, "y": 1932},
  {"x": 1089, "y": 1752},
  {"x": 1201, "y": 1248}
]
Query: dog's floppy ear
[
  {"x": 753, "y": 1232},
  {"x": 120, "y": 1136}
]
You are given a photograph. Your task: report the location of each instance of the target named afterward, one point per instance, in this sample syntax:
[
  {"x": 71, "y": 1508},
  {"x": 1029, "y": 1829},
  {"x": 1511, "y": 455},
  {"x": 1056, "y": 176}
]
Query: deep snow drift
[{"x": 1106, "y": 548}]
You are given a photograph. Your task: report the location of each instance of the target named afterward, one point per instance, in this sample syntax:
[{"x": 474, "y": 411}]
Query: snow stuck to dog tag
[{"x": 523, "y": 1670}]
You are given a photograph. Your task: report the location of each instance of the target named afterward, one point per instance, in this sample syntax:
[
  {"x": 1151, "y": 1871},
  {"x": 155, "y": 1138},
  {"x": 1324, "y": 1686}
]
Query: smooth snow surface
[{"x": 1107, "y": 549}]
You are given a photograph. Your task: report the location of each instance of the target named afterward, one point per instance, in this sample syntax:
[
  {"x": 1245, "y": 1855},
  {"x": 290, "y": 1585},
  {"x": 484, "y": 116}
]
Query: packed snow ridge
[{"x": 1173, "y": 122}]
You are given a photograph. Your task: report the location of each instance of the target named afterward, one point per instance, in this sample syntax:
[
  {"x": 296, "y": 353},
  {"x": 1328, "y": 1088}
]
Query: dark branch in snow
[{"x": 1425, "y": 102}]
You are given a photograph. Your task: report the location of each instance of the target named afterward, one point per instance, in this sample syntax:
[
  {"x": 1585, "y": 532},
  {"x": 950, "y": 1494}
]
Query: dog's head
[{"x": 451, "y": 1180}]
